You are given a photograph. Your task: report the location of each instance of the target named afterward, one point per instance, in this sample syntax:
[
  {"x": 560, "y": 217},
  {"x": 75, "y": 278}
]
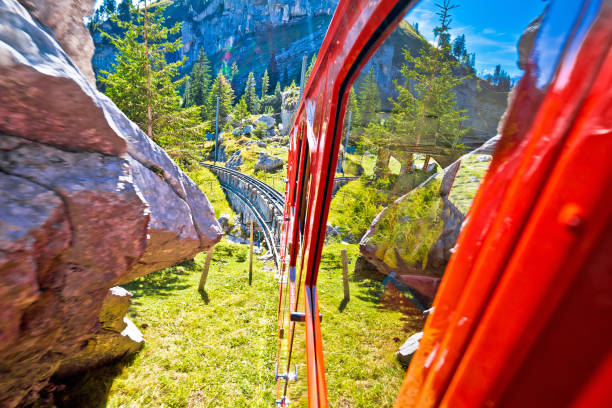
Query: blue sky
[{"x": 492, "y": 28}]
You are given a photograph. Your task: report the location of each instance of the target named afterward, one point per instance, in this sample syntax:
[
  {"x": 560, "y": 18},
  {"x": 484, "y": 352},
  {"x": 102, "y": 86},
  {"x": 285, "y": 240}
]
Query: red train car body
[{"x": 523, "y": 315}]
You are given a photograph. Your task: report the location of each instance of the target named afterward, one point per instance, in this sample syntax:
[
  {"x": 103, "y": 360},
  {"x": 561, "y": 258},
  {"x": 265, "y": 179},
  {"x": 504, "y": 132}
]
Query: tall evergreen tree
[
  {"x": 273, "y": 69},
  {"x": 369, "y": 100},
  {"x": 251, "y": 95},
  {"x": 123, "y": 10},
  {"x": 278, "y": 96},
  {"x": 265, "y": 84},
  {"x": 223, "y": 89},
  {"x": 109, "y": 7},
  {"x": 198, "y": 89},
  {"x": 143, "y": 85},
  {"x": 459, "y": 50},
  {"x": 427, "y": 112},
  {"x": 241, "y": 110}
]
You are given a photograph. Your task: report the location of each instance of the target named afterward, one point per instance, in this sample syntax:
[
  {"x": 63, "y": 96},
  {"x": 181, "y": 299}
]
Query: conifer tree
[
  {"x": 198, "y": 86},
  {"x": 427, "y": 112},
  {"x": 459, "y": 50},
  {"x": 278, "y": 96},
  {"x": 123, "y": 10},
  {"x": 251, "y": 95},
  {"x": 241, "y": 111},
  {"x": 223, "y": 89},
  {"x": 369, "y": 100},
  {"x": 109, "y": 6},
  {"x": 142, "y": 83},
  {"x": 265, "y": 84}
]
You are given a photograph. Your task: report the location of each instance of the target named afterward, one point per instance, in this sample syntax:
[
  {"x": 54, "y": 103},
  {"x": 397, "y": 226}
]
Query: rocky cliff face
[
  {"x": 87, "y": 202},
  {"x": 256, "y": 33},
  {"x": 248, "y": 32}
]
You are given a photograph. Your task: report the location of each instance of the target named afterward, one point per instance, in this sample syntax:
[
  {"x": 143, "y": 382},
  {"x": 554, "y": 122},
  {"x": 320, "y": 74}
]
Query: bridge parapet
[{"x": 255, "y": 201}]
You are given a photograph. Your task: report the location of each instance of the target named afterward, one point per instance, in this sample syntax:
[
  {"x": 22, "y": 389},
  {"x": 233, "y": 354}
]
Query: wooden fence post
[
  {"x": 251, "y": 254},
  {"x": 204, "y": 276},
  {"x": 345, "y": 281}
]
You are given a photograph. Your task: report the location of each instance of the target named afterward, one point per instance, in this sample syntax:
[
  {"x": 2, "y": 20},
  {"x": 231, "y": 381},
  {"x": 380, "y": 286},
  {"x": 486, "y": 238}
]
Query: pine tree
[
  {"x": 273, "y": 69},
  {"x": 109, "y": 7},
  {"x": 459, "y": 50},
  {"x": 241, "y": 111},
  {"x": 369, "y": 100},
  {"x": 223, "y": 89},
  {"x": 265, "y": 84},
  {"x": 427, "y": 112},
  {"x": 251, "y": 95},
  {"x": 198, "y": 88},
  {"x": 278, "y": 96},
  {"x": 142, "y": 82},
  {"x": 123, "y": 10}
]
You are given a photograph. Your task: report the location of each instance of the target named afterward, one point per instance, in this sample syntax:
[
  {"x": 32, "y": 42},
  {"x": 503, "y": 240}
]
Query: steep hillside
[
  {"x": 261, "y": 34},
  {"x": 251, "y": 33}
]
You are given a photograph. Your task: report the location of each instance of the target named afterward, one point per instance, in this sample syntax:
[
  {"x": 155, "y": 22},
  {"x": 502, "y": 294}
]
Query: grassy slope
[
  {"x": 464, "y": 189},
  {"x": 209, "y": 184},
  {"x": 218, "y": 349}
]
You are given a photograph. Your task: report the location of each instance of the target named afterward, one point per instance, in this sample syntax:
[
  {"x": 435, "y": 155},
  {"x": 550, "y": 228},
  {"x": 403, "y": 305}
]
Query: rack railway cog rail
[{"x": 530, "y": 278}]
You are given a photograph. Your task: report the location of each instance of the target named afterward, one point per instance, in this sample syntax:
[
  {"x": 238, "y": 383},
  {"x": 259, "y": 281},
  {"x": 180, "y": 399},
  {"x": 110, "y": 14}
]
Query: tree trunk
[{"x": 381, "y": 167}]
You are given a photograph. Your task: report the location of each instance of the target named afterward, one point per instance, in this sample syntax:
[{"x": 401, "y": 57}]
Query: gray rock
[
  {"x": 65, "y": 19},
  {"x": 30, "y": 59},
  {"x": 268, "y": 163},
  {"x": 235, "y": 160},
  {"x": 224, "y": 222},
  {"x": 407, "y": 350},
  {"x": 87, "y": 201},
  {"x": 483, "y": 159},
  {"x": 261, "y": 143},
  {"x": 268, "y": 120}
]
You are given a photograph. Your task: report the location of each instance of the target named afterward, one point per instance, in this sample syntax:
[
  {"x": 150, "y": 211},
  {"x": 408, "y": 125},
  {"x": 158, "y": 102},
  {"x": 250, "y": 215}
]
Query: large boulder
[
  {"x": 118, "y": 336},
  {"x": 268, "y": 163},
  {"x": 268, "y": 120},
  {"x": 414, "y": 236},
  {"x": 87, "y": 202}
]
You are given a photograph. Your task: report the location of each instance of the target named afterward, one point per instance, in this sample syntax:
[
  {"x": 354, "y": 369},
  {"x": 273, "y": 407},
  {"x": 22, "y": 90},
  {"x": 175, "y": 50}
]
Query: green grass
[
  {"x": 464, "y": 189},
  {"x": 360, "y": 338},
  {"x": 410, "y": 227},
  {"x": 209, "y": 184},
  {"x": 217, "y": 349}
]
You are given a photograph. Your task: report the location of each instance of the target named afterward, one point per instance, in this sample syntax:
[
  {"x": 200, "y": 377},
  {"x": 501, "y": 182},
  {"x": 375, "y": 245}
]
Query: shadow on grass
[
  {"x": 343, "y": 304},
  {"x": 90, "y": 388},
  {"x": 204, "y": 296},
  {"x": 162, "y": 283}
]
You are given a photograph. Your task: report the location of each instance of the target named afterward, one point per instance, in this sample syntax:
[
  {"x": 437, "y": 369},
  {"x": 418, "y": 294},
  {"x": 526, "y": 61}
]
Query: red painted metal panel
[
  {"x": 356, "y": 30},
  {"x": 512, "y": 265}
]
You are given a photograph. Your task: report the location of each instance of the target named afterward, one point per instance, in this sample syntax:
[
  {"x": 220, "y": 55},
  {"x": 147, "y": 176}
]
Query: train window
[{"x": 419, "y": 132}]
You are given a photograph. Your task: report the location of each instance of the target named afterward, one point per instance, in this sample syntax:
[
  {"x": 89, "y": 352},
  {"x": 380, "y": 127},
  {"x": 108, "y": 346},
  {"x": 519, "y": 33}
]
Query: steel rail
[
  {"x": 268, "y": 235},
  {"x": 275, "y": 197}
]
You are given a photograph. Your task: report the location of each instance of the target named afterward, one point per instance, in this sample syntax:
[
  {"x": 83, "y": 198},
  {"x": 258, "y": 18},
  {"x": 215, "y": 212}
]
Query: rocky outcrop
[
  {"x": 415, "y": 235},
  {"x": 87, "y": 202},
  {"x": 65, "y": 19},
  {"x": 269, "y": 163},
  {"x": 117, "y": 338}
]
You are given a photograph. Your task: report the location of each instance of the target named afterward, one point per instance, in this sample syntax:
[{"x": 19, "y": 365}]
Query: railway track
[{"x": 271, "y": 195}]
